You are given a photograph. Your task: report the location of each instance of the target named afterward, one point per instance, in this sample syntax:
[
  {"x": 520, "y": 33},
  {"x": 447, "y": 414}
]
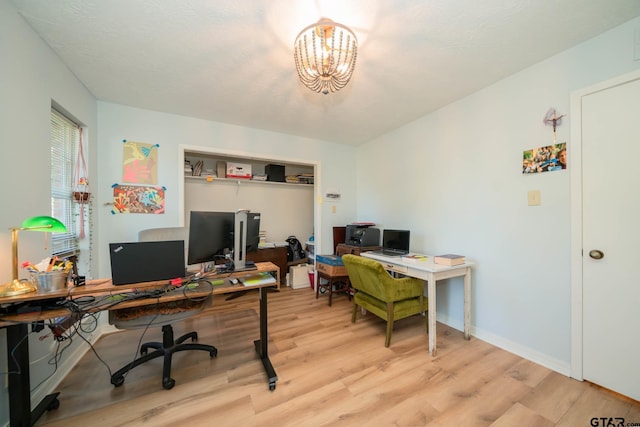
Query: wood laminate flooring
[{"x": 330, "y": 373}]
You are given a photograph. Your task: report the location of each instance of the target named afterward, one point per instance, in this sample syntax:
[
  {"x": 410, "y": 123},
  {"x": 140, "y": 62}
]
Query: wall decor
[
  {"x": 545, "y": 159},
  {"x": 139, "y": 162},
  {"x": 138, "y": 199},
  {"x": 550, "y": 157}
]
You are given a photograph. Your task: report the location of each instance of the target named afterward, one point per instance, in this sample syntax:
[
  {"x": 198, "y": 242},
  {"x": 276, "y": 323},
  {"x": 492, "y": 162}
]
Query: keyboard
[{"x": 389, "y": 252}]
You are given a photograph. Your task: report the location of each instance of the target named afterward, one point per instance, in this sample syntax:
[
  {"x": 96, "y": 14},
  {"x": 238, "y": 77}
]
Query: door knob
[{"x": 596, "y": 254}]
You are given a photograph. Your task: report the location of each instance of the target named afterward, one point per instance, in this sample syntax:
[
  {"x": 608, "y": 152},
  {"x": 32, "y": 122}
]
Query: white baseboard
[{"x": 560, "y": 366}]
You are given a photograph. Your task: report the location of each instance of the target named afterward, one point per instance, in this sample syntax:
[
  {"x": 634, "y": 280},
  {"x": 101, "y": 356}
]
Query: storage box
[
  {"x": 238, "y": 170},
  {"x": 274, "y": 172},
  {"x": 299, "y": 276},
  {"x": 221, "y": 169},
  {"x": 331, "y": 265}
]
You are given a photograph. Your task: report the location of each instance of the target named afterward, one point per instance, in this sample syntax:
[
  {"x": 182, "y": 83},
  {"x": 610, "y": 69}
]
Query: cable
[
  {"x": 135, "y": 355},
  {"x": 13, "y": 356},
  {"x": 54, "y": 361},
  {"x": 192, "y": 286},
  {"x": 95, "y": 352}
]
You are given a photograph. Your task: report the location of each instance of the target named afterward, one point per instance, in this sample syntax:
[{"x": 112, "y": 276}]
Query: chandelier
[{"x": 325, "y": 54}]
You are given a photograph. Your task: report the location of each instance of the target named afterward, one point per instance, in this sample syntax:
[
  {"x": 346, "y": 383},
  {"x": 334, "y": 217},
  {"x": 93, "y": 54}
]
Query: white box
[
  {"x": 299, "y": 276},
  {"x": 238, "y": 170}
]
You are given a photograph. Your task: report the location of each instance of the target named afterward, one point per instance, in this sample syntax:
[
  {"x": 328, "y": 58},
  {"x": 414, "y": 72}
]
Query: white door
[{"x": 611, "y": 227}]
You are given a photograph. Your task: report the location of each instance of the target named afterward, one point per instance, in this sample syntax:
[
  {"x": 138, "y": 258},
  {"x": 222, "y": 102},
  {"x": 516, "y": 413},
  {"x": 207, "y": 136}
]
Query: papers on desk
[
  {"x": 257, "y": 279},
  {"x": 414, "y": 258}
]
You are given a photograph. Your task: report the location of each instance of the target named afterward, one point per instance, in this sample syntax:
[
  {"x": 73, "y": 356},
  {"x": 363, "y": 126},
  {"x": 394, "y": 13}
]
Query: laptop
[
  {"x": 136, "y": 262},
  {"x": 394, "y": 243}
]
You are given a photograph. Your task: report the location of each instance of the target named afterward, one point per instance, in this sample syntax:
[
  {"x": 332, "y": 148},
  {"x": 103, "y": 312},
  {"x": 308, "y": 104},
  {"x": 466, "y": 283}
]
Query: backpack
[{"x": 294, "y": 249}]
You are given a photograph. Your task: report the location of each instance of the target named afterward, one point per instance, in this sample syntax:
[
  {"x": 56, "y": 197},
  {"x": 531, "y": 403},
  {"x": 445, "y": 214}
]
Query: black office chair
[{"x": 159, "y": 315}]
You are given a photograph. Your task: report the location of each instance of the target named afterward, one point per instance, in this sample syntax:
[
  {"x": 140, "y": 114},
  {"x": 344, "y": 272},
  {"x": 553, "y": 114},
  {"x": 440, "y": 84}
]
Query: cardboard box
[
  {"x": 331, "y": 265},
  {"x": 238, "y": 170},
  {"x": 299, "y": 276}
]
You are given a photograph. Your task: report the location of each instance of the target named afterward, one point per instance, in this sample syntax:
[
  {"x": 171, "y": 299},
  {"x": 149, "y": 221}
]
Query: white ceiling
[{"x": 232, "y": 61}]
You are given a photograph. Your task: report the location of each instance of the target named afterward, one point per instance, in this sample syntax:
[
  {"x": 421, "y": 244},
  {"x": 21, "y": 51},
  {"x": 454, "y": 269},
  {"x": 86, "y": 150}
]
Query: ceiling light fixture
[{"x": 325, "y": 54}]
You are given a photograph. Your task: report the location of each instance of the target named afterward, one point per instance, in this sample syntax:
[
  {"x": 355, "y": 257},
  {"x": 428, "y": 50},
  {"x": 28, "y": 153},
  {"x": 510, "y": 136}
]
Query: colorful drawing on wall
[
  {"x": 139, "y": 162},
  {"x": 138, "y": 199},
  {"x": 545, "y": 159}
]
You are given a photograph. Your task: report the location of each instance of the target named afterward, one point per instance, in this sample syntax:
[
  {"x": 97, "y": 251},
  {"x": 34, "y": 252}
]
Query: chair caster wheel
[
  {"x": 272, "y": 386},
  {"x": 168, "y": 383},
  {"x": 118, "y": 381},
  {"x": 213, "y": 353}
]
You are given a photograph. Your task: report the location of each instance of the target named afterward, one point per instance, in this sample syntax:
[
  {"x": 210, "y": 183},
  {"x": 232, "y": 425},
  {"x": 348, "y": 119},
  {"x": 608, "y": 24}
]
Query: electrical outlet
[{"x": 534, "y": 198}]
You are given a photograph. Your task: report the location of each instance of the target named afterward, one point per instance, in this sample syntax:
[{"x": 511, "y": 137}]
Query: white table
[{"x": 431, "y": 273}]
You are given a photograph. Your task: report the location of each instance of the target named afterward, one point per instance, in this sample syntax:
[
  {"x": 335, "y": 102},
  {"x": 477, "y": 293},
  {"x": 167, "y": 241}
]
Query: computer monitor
[{"x": 210, "y": 236}]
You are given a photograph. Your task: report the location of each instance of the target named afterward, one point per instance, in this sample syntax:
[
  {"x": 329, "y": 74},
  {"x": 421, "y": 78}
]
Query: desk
[
  {"x": 431, "y": 273},
  {"x": 277, "y": 256},
  {"x": 17, "y": 328}
]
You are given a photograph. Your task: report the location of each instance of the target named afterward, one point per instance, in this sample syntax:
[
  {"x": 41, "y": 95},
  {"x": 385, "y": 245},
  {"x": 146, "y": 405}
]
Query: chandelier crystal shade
[{"x": 325, "y": 55}]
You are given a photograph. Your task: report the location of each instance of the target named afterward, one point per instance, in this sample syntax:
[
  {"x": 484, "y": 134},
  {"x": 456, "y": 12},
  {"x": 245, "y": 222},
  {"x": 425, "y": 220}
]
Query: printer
[{"x": 362, "y": 235}]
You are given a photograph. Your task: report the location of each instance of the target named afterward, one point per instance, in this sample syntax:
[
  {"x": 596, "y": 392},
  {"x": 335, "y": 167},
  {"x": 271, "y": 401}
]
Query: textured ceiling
[{"x": 232, "y": 61}]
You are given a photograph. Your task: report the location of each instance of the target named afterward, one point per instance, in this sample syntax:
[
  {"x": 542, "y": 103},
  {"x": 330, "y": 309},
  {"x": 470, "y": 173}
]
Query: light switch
[
  {"x": 534, "y": 198},
  {"x": 333, "y": 209}
]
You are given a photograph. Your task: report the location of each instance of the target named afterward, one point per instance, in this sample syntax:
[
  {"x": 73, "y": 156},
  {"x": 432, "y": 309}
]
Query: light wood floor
[{"x": 331, "y": 372}]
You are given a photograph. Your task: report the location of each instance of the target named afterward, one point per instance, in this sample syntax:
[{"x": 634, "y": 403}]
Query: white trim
[
  {"x": 575, "y": 165},
  {"x": 528, "y": 353}
]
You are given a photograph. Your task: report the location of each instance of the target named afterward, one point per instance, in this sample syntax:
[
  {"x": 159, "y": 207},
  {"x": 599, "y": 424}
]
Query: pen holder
[{"x": 51, "y": 280}]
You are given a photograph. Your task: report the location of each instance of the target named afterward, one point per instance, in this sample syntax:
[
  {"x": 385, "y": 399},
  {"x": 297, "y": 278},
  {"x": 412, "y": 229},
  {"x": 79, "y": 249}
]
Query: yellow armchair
[{"x": 383, "y": 295}]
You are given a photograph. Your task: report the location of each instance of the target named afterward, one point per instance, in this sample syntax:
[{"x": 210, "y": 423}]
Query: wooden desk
[
  {"x": 21, "y": 413},
  {"x": 431, "y": 273},
  {"x": 277, "y": 255}
]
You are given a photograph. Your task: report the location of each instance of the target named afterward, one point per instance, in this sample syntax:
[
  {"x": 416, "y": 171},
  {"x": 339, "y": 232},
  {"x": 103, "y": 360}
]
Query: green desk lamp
[{"x": 37, "y": 223}]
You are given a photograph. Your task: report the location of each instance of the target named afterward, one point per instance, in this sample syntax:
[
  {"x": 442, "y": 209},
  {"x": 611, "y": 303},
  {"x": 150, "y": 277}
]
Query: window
[{"x": 65, "y": 137}]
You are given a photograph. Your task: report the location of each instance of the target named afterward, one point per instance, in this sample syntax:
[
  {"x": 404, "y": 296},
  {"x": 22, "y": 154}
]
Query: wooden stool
[{"x": 341, "y": 284}]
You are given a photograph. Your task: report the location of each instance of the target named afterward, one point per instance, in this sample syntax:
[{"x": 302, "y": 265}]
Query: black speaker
[{"x": 274, "y": 172}]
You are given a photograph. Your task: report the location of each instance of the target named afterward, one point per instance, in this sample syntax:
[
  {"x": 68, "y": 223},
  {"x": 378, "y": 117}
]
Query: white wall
[
  {"x": 284, "y": 209},
  {"x": 31, "y": 76},
  {"x": 460, "y": 170},
  {"x": 118, "y": 122}
]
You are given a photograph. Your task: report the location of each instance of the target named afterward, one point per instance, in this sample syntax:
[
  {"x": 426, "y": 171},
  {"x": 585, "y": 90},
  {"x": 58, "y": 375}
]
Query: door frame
[{"x": 575, "y": 161}]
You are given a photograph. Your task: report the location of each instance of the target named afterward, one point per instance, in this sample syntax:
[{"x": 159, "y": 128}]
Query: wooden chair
[
  {"x": 334, "y": 284},
  {"x": 339, "y": 236},
  {"x": 383, "y": 295}
]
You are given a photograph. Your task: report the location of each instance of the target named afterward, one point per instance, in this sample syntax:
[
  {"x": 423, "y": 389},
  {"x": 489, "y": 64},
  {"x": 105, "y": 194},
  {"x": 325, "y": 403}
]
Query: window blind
[{"x": 64, "y": 140}]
